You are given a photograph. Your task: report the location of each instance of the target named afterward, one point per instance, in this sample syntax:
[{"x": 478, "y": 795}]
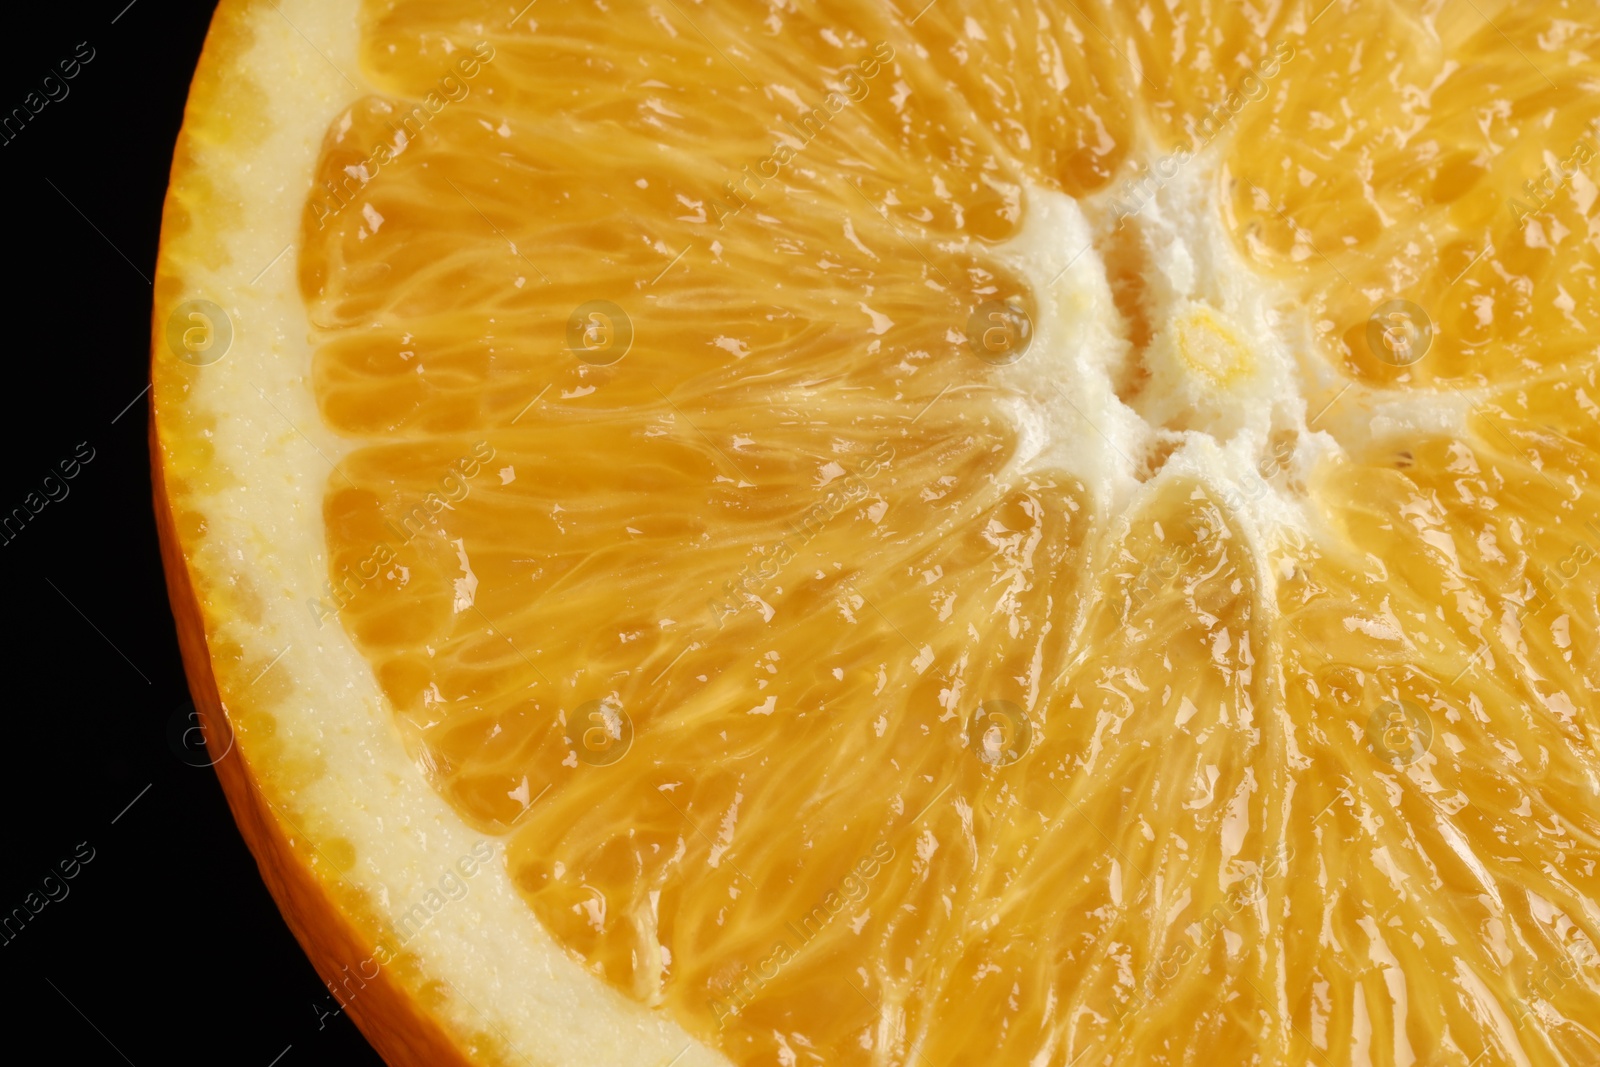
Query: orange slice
[{"x": 1039, "y": 533}]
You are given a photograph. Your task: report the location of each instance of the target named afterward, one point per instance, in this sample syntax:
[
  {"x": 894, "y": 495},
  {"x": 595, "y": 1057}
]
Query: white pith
[
  {"x": 505, "y": 977},
  {"x": 1066, "y": 398}
]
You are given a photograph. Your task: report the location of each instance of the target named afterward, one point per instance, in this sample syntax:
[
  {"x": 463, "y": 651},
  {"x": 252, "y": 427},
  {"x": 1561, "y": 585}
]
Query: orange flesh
[{"x": 1201, "y": 858}]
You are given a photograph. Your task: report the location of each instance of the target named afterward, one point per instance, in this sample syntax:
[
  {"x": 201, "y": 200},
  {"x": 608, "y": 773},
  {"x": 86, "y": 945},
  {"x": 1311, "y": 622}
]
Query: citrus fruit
[{"x": 1041, "y": 533}]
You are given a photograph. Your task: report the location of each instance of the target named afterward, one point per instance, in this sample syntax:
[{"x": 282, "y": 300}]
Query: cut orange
[{"x": 1048, "y": 533}]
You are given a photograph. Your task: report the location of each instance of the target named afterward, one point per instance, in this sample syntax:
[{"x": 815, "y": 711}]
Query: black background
[{"x": 167, "y": 947}]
